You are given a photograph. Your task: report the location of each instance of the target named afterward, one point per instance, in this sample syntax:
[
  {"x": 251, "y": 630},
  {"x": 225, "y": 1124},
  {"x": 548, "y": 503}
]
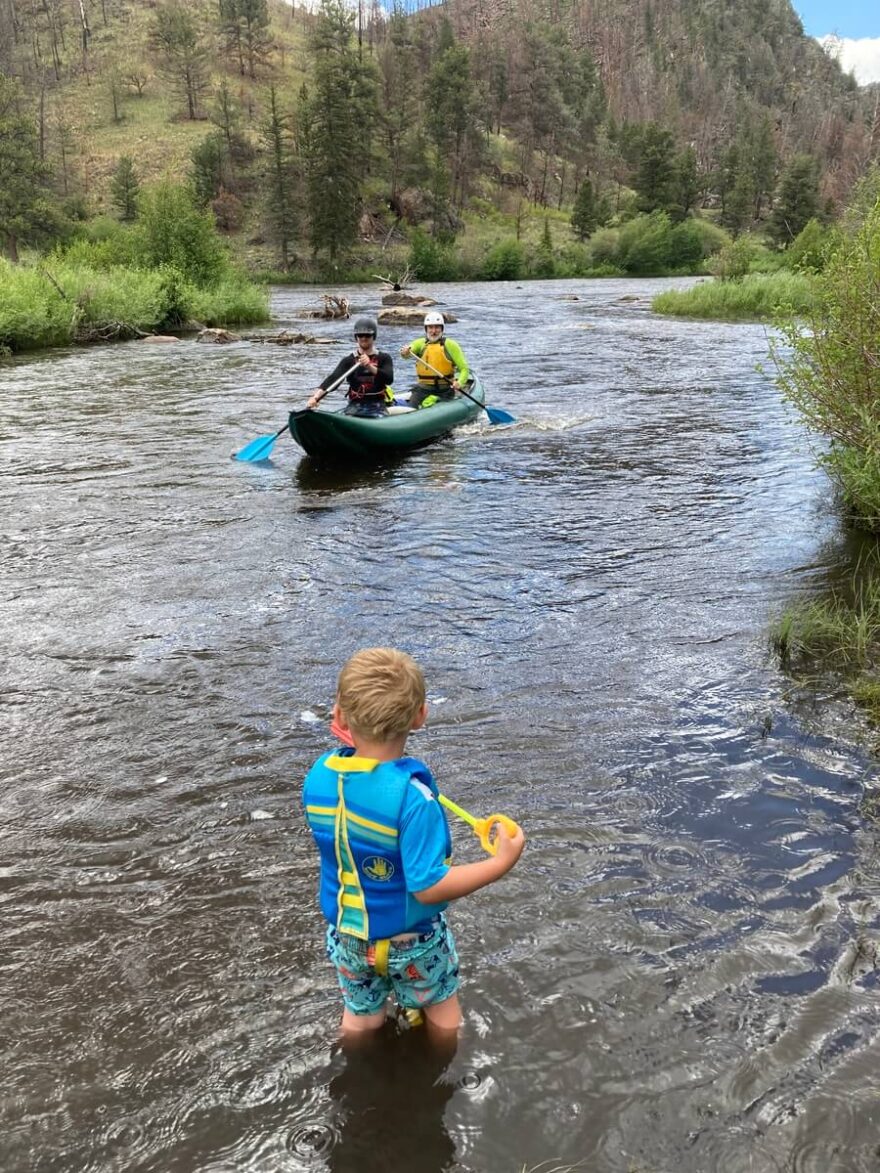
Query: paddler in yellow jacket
[{"x": 441, "y": 367}]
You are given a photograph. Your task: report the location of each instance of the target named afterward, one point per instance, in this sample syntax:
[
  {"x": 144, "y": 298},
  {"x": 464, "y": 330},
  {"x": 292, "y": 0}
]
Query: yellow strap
[{"x": 380, "y": 956}]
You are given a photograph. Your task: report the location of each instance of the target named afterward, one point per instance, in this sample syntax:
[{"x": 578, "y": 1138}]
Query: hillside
[{"x": 468, "y": 108}]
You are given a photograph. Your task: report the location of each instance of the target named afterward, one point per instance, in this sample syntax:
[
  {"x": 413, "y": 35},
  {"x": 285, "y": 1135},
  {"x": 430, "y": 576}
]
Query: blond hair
[{"x": 380, "y": 691}]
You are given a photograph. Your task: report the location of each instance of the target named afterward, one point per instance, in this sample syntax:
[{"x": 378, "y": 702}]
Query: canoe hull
[{"x": 333, "y": 436}]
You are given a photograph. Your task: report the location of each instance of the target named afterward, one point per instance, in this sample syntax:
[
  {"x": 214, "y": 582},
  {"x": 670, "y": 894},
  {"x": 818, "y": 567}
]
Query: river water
[{"x": 680, "y": 973}]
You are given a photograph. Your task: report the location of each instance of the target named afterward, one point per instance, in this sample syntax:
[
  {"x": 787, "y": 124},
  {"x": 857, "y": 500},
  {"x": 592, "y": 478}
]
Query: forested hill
[{"x": 305, "y": 123}]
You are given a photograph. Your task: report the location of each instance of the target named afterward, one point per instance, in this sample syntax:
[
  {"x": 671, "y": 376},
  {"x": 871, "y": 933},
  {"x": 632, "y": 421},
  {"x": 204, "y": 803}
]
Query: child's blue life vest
[{"x": 355, "y": 809}]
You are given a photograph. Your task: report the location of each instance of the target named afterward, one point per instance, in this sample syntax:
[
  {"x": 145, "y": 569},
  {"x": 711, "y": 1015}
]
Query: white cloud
[{"x": 860, "y": 56}]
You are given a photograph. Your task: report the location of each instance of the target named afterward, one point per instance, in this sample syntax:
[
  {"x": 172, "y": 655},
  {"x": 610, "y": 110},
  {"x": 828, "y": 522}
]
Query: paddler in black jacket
[{"x": 369, "y": 372}]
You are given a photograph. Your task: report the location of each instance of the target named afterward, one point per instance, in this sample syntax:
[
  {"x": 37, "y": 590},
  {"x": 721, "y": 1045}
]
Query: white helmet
[{"x": 433, "y": 318}]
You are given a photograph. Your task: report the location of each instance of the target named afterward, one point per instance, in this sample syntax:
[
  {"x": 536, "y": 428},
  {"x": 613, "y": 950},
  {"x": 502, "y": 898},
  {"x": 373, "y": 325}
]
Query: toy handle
[{"x": 483, "y": 830}]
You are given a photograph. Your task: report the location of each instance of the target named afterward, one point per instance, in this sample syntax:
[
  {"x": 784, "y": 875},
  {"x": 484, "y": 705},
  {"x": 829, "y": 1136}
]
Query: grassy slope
[
  {"x": 159, "y": 139},
  {"x": 152, "y": 129}
]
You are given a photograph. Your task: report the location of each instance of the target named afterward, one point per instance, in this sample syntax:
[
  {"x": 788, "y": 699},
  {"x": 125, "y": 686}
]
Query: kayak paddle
[
  {"x": 260, "y": 448},
  {"x": 496, "y": 414},
  {"x": 482, "y": 828}
]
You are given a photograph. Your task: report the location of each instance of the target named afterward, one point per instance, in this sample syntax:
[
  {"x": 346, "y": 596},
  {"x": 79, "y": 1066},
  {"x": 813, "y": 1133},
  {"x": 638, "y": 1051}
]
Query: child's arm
[{"x": 464, "y": 878}]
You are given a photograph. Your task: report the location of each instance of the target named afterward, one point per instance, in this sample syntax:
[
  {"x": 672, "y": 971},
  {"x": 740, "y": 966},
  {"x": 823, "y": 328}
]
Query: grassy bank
[
  {"x": 51, "y": 303},
  {"x": 839, "y": 633},
  {"x": 757, "y": 297}
]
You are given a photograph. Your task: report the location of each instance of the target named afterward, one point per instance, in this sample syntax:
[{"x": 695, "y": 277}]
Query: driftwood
[
  {"x": 286, "y": 338},
  {"x": 396, "y": 283},
  {"x": 334, "y": 307},
  {"x": 160, "y": 338},
  {"x": 87, "y": 333},
  {"x": 401, "y": 315},
  {"x": 213, "y": 334}
]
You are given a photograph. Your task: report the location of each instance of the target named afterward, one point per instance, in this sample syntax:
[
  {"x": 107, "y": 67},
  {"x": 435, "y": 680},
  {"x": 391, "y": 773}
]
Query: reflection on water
[{"x": 682, "y": 971}]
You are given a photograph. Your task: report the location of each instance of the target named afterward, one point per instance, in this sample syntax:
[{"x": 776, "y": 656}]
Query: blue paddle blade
[
  {"x": 260, "y": 448},
  {"x": 498, "y": 416}
]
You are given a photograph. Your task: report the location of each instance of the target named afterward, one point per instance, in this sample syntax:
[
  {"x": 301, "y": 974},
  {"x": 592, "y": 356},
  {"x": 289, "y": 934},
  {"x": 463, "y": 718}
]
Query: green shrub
[
  {"x": 431, "y": 259},
  {"x": 808, "y": 250},
  {"x": 505, "y": 261},
  {"x": 830, "y": 371},
  {"x": 172, "y": 230}
]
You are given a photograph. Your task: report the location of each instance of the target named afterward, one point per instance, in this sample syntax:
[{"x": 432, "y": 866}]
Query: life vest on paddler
[
  {"x": 436, "y": 354},
  {"x": 353, "y": 807}
]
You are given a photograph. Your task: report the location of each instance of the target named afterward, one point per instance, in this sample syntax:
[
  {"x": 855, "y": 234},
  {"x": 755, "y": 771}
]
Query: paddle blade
[
  {"x": 498, "y": 416},
  {"x": 258, "y": 449}
]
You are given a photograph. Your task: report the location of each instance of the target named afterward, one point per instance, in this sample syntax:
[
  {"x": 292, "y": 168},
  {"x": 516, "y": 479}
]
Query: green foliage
[
  {"x": 757, "y": 297},
  {"x": 281, "y": 177},
  {"x": 808, "y": 250},
  {"x": 797, "y": 200},
  {"x": 233, "y": 300},
  {"x": 207, "y": 168},
  {"x": 505, "y": 261},
  {"x": 431, "y": 259},
  {"x": 735, "y": 260},
  {"x": 125, "y": 188},
  {"x": 655, "y": 179},
  {"x": 830, "y": 371},
  {"x": 182, "y": 52},
  {"x": 340, "y": 116},
  {"x": 26, "y": 214},
  {"x": 173, "y": 231},
  {"x": 587, "y": 213},
  {"x": 544, "y": 262}
]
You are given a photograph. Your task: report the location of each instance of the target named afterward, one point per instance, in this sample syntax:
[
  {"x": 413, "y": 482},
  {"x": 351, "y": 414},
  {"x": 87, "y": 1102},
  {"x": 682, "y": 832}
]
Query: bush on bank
[
  {"x": 113, "y": 280},
  {"x": 57, "y": 303},
  {"x": 828, "y": 367},
  {"x": 758, "y": 296}
]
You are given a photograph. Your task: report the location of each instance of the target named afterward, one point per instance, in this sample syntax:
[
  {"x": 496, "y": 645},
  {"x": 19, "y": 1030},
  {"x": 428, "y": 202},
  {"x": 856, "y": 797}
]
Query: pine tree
[
  {"x": 342, "y": 113},
  {"x": 655, "y": 177},
  {"x": 124, "y": 189},
  {"x": 24, "y": 208},
  {"x": 183, "y": 55},
  {"x": 585, "y": 214},
  {"x": 797, "y": 200},
  {"x": 281, "y": 196}
]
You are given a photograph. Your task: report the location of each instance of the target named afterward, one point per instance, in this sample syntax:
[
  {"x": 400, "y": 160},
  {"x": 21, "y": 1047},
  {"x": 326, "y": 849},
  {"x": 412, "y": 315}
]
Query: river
[{"x": 680, "y": 973}]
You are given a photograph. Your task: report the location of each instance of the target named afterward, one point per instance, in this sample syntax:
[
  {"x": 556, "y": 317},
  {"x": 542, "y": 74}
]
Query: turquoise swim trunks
[{"x": 421, "y": 971}]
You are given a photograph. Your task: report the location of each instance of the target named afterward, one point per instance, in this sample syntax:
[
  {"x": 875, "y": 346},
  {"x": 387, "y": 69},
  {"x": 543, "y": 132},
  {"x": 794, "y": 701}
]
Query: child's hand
[{"x": 509, "y": 847}]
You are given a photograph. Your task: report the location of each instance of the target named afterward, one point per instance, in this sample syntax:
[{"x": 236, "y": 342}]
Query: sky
[{"x": 856, "y": 26}]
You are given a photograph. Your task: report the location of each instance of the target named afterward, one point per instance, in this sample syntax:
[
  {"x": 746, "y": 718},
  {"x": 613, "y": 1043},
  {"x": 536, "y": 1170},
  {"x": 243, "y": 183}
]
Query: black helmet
[{"x": 365, "y": 326}]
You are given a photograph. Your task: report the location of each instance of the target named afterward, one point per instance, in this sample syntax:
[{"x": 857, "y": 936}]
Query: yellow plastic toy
[{"x": 482, "y": 827}]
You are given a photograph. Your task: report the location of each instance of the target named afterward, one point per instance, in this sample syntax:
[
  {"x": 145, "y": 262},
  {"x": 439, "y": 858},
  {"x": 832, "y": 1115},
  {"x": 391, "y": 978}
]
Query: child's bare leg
[
  {"x": 361, "y": 1024},
  {"x": 444, "y": 1015}
]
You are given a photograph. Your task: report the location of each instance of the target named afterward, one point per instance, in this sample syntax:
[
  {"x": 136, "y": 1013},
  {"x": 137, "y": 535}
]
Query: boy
[{"x": 385, "y": 851}]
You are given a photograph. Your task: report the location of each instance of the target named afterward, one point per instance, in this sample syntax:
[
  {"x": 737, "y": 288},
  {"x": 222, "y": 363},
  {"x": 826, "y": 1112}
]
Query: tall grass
[
  {"x": 59, "y": 302},
  {"x": 759, "y": 296}
]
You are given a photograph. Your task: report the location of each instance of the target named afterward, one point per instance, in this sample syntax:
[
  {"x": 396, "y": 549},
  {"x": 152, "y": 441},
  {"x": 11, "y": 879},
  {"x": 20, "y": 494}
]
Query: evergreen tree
[
  {"x": 124, "y": 189},
  {"x": 655, "y": 178},
  {"x": 183, "y": 56},
  {"x": 797, "y": 200},
  {"x": 281, "y": 195},
  {"x": 399, "y": 112},
  {"x": 24, "y": 208},
  {"x": 451, "y": 121},
  {"x": 685, "y": 184},
  {"x": 342, "y": 113},
  {"x": 585, "y": 214},
  {"x": 245, "y": 28}
]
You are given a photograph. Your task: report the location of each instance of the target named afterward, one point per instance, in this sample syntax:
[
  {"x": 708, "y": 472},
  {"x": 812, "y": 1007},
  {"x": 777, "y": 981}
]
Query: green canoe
[{"x": 332, "y": 435}]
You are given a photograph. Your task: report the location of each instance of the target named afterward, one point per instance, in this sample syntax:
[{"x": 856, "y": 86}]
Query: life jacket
[
  {"x": 438, "y": 356},
  {"x": 362, "y": 384},
  {"x": 353, "y": 808}
]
